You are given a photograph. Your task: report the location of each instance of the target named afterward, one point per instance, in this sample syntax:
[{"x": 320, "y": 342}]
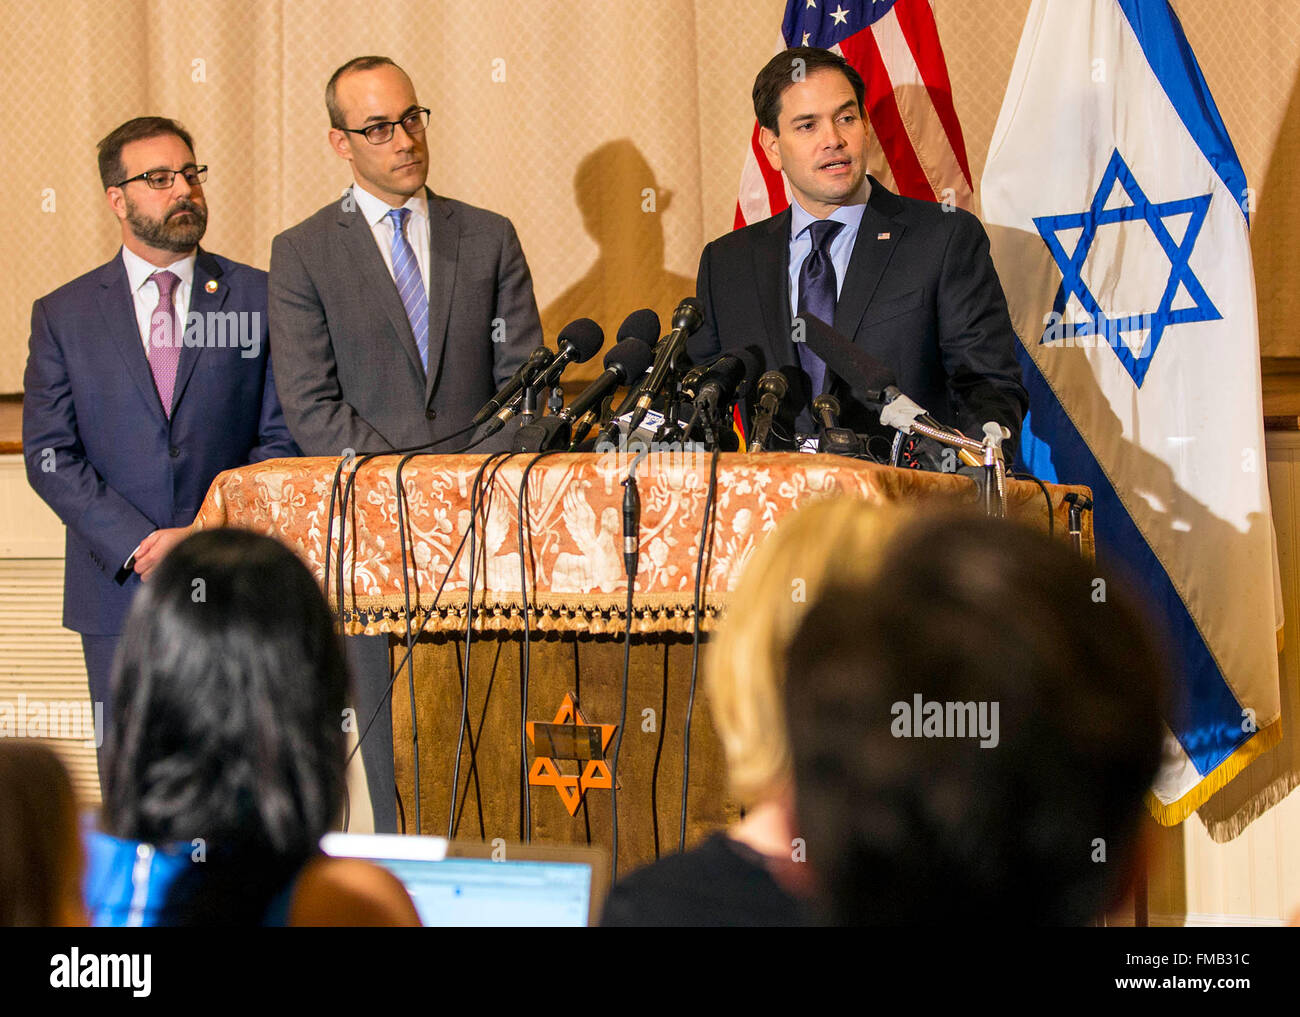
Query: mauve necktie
[
  {"x": 410, "y": 286},
  {"x": 164, "y": 340},
  {"x": 817, "y": 294}
]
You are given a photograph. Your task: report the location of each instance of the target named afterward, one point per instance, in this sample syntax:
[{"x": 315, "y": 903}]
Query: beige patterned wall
[{"x": 600, "y": 101}]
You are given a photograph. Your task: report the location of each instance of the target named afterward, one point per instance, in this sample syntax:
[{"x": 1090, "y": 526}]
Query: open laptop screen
[{"x": 525, "y": 885}]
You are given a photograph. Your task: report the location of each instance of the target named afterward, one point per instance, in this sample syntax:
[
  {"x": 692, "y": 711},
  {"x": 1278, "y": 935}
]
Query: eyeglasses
[
  {"x": 161, "y": 180},
  {"x": 382, "y": 132}
]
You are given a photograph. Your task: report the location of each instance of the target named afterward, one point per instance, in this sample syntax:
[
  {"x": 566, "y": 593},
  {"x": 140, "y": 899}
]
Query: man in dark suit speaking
[
  {"x": 145, "y": 379},
  {"x": 395, "y": 315},
  {"x": 909, "y": 282}
]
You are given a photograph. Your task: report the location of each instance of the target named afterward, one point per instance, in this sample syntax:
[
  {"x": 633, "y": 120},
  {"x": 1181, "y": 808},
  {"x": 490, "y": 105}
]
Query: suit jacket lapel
[
  {"x": 118, "y": 308},
  {"x": 206, "y": 269},
  {"x": 771, "y": 270},
  {"x": 444, "y": 248},
  {"x": 878, "y": 236},
  {"x": 376, "y": 282}
]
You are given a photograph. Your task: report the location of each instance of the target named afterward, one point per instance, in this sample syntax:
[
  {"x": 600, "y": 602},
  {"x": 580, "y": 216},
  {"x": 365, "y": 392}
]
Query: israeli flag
[{"x": 1119, "y": 217}]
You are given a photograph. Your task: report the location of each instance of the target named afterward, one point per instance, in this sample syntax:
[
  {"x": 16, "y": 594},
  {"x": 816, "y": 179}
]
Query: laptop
[{"x": 464, "y": 883}]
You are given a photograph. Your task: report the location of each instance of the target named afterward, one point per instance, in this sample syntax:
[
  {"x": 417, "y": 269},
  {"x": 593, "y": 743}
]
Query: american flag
[{"x": 894, "y": 45}]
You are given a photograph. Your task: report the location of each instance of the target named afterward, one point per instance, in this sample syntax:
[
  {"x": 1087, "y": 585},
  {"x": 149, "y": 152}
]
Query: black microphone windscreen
[
  {"x": 634, "y": 355},
  {"x": 586, "y": 338},
  {"x": 862, "y": 371},
  {"x": 642, "y": 324}
]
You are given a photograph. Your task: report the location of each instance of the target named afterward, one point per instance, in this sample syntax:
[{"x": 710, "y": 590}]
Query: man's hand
[{"x": 153, "y": 549}]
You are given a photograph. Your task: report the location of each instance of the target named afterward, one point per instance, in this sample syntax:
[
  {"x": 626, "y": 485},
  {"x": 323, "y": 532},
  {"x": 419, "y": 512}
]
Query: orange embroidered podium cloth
[
  {"x": 572, "y": 546},
  {"x": 478, "y": 727}
]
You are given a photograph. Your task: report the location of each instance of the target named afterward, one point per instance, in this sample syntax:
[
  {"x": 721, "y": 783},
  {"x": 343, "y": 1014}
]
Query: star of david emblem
[
  {"x": 595, "y": 772},
  {"x": 1181, "y": 275}
]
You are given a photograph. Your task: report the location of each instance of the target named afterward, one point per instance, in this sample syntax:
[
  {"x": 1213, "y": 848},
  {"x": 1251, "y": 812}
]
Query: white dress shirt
[
  {"x": 144, "y": 291},
  {"x": 375, "y": 211}
]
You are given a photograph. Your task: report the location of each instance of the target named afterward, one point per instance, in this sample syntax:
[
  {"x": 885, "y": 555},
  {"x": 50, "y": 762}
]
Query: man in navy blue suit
[{"x": 146, "y": 377}]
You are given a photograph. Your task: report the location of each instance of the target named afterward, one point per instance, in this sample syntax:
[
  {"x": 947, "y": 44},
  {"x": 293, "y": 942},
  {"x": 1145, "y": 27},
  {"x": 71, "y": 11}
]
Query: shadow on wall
[{"x": 622, "y": 209}]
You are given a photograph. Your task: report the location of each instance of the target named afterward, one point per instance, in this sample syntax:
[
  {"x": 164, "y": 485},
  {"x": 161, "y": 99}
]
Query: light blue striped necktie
[{"x": 410, "y": 286}]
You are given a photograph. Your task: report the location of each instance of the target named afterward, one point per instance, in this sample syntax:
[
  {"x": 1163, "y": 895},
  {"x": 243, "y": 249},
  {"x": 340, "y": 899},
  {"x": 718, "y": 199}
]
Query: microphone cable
[
  {"x": 1051, "y": 511},
  {"x": 525, "y": 660},
  {"x": 469, "y": 628},
  {"x": 407, "y": 659},
  {"x": 706, "y": 537},
  {"x": 631, "y": 565}
]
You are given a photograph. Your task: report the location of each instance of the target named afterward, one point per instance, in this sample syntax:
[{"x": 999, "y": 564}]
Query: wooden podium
[{"x": 569, "y": 552}]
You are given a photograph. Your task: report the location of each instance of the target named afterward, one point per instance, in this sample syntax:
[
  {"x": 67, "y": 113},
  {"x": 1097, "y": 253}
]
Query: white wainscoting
[{"x": 40, "y": 660}]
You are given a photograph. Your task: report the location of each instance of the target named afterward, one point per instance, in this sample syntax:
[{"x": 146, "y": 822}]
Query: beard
[{"x": 176, "y": 233}]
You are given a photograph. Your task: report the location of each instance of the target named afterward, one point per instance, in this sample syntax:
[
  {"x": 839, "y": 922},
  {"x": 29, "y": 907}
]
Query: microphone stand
[{"x": 1079, "y": 504}]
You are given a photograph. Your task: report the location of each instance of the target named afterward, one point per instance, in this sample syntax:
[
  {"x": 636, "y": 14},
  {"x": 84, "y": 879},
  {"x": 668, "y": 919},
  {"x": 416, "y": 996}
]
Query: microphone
[
  {"x": 726, "y": 381},
  {"x": 687, "y": 320},
  {"x": 772, "y": 388},
  {"x": 870, "y": 379},
  {"x": 866, "y": 375},
  {"x": 631, "y": 530},
  {"x": 827, "y": 408},
  {"x": 625, "y": 361},
  {"x": 643, "y": 325},
  {"x": 579, "y": 341},
  {"x": 628, "y": 360},
  {"x": 836, "y": 440},
  {"x": 537, "y": 361}
]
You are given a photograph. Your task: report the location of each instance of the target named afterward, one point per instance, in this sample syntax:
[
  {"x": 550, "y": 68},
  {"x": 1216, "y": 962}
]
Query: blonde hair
[{"x": 832, "y": 538}]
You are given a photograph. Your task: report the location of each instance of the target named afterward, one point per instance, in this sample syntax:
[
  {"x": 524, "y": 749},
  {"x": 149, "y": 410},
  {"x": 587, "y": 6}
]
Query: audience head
[
  {"x": 229, "y": 692},
  {"x": 40, "y": 852},
  {"x": 746, "y": 663},
  {"x": 1033, "y": 816}
]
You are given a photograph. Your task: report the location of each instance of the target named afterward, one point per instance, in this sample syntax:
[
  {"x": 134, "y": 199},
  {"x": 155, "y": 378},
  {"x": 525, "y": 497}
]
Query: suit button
[
  {"x": 431, "y": 414},
  {"x": 173, "y": 452}
]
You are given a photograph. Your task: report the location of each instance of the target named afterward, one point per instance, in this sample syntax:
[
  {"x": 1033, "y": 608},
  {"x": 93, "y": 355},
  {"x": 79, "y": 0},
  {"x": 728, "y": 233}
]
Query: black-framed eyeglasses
[
  {"x": 161, "y": 180},
  {"x": 382, "y": 132}
]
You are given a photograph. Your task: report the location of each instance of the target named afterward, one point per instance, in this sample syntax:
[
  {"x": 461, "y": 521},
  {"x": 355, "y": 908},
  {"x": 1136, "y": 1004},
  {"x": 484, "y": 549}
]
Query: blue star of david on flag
[{"x": 1180, "y": 272}]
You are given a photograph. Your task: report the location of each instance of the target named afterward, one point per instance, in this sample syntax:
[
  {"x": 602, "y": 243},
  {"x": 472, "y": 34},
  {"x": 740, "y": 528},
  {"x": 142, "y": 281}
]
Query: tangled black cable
[
  {"x": 525, "y": 660},
  {"x": 706, "y": 537},
  {"x": 469, "y": 627}
]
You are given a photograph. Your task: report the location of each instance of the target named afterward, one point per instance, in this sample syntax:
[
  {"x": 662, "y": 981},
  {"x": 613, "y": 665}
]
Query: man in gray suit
[{"x": 395, "y": 314}]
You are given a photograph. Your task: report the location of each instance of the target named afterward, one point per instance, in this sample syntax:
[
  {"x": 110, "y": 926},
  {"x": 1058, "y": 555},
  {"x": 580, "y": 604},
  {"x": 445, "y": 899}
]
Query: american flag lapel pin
[{"x": 882, "y": 236}]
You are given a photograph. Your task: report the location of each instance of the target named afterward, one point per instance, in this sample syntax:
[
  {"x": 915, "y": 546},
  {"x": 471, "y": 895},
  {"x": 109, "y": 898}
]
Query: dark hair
[
  {"x": 39, "y": 847},
  {"x": 228, "y": 698},
  {"x": 111, "y": 170},
  {"x": 1040, "y": 828},
  {"x": 362, "y": 63},
  {"x": 797, "y": 64}
]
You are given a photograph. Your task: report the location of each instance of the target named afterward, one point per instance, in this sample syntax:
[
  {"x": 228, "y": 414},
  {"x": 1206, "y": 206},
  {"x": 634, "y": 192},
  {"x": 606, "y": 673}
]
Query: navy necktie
[{"x": 817, "y": 294}]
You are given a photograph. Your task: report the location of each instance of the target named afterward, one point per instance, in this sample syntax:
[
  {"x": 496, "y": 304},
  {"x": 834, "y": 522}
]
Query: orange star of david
[{"x": 595, "y": 774}]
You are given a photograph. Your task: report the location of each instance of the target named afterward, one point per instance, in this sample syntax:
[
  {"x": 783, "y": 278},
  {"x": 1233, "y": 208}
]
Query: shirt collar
[
  {"x": 376, "y": 209},
  {"x": 849, "y": 215},
  {"x": 138, "y": 270}
]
